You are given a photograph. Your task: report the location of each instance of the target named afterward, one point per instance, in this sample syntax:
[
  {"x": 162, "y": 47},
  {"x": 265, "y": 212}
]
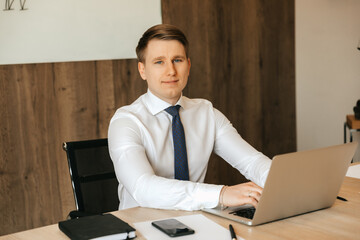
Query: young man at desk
[{"x": 161, "y": 143}]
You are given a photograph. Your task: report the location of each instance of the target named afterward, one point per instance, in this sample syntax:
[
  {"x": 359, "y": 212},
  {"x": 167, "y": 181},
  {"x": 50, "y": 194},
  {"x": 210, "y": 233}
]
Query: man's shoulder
[
  {"x": 200, "y": 106},
  {"x": 197, "y": 102}
]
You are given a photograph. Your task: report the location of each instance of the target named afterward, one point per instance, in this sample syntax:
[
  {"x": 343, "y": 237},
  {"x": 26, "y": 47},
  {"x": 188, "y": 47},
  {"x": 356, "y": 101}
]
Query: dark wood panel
[{"x": 278, "y": 77}]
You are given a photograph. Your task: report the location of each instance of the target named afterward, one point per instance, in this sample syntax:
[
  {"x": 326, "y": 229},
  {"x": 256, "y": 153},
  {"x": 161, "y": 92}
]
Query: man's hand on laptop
[{"x": 240, "y": 194}]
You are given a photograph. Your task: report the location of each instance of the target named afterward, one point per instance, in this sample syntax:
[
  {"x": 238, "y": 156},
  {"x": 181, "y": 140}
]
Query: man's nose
[{"x": 171, "y": 69}]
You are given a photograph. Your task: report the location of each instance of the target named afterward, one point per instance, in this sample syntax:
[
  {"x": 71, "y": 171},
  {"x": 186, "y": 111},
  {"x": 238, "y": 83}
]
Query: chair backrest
[{"x": 92, "y": 175}]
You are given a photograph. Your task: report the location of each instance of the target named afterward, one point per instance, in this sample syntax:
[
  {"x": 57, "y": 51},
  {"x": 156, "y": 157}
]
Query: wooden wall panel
[
  {"x": 28, "y": 173},
  {"x": 243, "y": 60},
  {"x": 278, "y": 76},
  {"x": 43, "y": 105},
  {"x": 242, "y": 55},
  {"x": 130, "y": 86},
  {"x": 106, "y": 95}
]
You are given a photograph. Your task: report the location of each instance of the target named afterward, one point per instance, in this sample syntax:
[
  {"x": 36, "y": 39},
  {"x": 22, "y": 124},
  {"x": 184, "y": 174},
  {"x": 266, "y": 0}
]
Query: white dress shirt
[{"x": 141, "y": 147}]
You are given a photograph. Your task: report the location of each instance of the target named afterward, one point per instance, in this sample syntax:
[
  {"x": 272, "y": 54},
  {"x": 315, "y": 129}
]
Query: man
[{"x": 155, "y": 164}]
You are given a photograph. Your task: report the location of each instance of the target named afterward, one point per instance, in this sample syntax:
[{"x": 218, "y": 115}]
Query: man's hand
[{"x": 240, "y": 194}]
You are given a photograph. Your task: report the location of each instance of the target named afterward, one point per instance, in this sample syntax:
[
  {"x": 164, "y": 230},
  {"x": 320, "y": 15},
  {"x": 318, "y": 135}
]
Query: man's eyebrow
[
  {"x": 179, "y": 56},
  {"x": 158, "y": 58},
  {"x": 163, "y": 57}
]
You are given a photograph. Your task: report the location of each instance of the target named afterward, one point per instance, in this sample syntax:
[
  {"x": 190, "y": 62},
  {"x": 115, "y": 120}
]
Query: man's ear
[
  {"x": 141, "y": 68},
  {"x": 189, "y": 62}
]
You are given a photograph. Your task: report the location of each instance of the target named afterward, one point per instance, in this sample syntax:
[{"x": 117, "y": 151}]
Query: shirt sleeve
[
  {"x": 135, "y": 172},
  {"x": 238, "y": 153}
]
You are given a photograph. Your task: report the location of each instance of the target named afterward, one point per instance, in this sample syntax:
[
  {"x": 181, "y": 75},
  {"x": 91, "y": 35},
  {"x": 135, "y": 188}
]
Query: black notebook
[{"x": 102, "y": 227}]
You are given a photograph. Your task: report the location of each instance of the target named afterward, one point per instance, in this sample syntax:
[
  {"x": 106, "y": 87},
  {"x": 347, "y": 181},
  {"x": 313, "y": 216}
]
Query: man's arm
[
  {"x": 135, "y": 172},
  {"x": 242, "y": 156}
]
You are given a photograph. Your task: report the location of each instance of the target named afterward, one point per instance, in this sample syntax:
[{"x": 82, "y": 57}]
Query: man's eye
[
  {"x": 158, "y": 62},
  {"x": 177, "y": 60}
]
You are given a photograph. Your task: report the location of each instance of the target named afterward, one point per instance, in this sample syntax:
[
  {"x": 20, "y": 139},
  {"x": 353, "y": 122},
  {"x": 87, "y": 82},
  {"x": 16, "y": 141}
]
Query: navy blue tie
[{"x": 180, "y": 154}]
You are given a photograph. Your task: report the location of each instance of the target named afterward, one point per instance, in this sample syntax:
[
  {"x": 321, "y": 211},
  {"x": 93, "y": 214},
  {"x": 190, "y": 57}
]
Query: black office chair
[{"x": 92, "y": 176}]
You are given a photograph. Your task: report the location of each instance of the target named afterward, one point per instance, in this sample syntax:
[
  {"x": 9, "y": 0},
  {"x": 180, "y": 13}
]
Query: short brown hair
[{"x": 161, "y": 32}]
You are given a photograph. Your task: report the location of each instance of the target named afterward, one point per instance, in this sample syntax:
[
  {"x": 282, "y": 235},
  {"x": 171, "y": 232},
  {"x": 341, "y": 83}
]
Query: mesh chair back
[{"x": 92, "y": 175}]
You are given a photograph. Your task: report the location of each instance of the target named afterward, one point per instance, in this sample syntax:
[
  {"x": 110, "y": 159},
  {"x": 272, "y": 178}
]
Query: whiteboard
[{"x": 74, "y": 30}]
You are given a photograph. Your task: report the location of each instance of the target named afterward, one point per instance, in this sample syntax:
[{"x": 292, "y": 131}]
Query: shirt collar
[{"x": 157, "y": 105}]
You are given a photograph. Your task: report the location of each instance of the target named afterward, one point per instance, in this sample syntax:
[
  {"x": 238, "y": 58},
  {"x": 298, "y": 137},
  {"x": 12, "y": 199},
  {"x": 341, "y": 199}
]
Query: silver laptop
[{"x": 297, "y": 183}]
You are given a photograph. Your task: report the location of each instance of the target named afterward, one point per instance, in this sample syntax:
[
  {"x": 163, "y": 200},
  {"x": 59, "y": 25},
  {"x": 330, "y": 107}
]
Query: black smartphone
[{"x": 173, "y": 227}]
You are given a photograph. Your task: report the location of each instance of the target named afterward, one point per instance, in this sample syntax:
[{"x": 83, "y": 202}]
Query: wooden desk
[{"x": 341, "y": 221}]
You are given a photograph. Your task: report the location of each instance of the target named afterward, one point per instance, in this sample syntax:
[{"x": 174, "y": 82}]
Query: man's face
[{"x": 166, "y": 69}]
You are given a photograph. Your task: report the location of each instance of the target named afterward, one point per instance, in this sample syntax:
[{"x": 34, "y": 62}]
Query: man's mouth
[{"x": 170, "y": 81}]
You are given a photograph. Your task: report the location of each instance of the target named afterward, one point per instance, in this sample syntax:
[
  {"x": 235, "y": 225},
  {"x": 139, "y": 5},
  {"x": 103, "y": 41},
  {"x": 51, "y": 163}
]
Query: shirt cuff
[{"x": 208, "y": 195}]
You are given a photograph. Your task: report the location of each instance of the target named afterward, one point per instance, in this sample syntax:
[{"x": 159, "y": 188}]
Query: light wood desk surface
[{"x": 341, "y": 221}]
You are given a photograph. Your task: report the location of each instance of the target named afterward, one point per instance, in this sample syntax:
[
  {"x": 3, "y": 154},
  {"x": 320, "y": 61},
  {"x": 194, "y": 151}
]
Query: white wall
[{"x": 327, "y": 34}]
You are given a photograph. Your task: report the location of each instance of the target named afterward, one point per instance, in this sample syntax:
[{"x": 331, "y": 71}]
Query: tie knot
[{"x": 173, "y": 110}]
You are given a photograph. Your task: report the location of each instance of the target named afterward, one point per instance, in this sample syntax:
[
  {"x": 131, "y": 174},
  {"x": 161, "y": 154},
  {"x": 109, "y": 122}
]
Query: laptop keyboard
[{"x": 246, "y": 213}]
